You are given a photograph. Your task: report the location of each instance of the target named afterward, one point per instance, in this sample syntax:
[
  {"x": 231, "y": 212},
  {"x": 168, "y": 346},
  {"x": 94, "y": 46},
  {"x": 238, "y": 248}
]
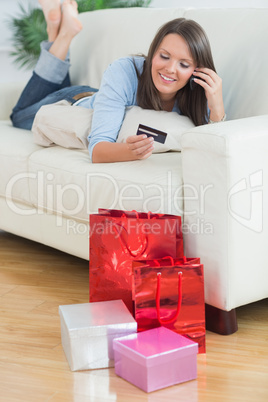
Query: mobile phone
[
  {"x": 159, "y": 136},
  {"x": 193, "y": 84}
]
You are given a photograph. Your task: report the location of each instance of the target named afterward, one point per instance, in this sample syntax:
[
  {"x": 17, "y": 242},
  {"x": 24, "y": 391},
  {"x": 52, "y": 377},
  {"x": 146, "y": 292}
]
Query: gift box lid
[
  {"x": 97, "y": 319},
  {"x": 155, "y": 346}
]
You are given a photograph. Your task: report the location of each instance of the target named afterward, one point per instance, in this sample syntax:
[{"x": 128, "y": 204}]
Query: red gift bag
[
  {"x": 119, "y": 237},
  {"x": 171, "y": 295}
]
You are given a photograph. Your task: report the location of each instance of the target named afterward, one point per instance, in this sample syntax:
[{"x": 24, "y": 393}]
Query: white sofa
[{"x": 218, "y": 183}]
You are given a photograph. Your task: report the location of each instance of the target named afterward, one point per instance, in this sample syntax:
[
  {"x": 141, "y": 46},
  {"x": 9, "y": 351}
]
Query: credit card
[{"x": 159, "y": 136}]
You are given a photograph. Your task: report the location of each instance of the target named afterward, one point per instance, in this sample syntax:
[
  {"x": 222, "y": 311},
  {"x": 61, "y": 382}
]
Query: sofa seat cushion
[
  {"x": 16, "y": 145},
  {"x": 65, "y": 182}
]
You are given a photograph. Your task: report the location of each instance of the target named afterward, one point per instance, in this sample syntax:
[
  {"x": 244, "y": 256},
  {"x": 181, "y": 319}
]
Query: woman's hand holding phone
[{"x": 212, "y": 85}]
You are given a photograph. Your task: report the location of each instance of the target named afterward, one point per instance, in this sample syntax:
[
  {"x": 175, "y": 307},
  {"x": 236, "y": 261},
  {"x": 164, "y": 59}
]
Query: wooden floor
[{"x": 35, "y": 280}]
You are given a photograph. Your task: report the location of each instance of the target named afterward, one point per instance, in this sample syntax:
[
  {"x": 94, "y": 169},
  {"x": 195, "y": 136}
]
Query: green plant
[
  {"x": 90, "y": 5},
  {"x": 29, "y": 28}
]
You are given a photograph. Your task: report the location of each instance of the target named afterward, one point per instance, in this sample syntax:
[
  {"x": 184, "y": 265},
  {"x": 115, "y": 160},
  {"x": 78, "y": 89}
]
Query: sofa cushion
[
  {"x": 68, "y": 126},
  {"x": 102, "y": 34},
  {"x": 65, "y": 181},
  {"x": 244, "y": 79},
  {"x": 16, "y": 145},
  {"x": 245, "y": 84},
  {"x": 170, "y": 122},
  {"x": 68, "y": 184}
]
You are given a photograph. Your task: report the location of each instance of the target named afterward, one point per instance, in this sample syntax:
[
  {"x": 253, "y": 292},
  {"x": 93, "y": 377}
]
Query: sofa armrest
[
  {"x": 225, "y": 174},
  {"x": 10, "y": 93}
]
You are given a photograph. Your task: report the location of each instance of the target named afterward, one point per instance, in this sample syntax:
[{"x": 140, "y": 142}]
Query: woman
[{"x": 179, "y": 56}]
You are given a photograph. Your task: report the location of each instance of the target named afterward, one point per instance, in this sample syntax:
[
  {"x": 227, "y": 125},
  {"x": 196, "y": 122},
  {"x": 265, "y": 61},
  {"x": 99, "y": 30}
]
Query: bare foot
[
  {"x": 52, "y": 13},
  {"x": 69, "y": 27},
  {"x": 70, "y": 24}
]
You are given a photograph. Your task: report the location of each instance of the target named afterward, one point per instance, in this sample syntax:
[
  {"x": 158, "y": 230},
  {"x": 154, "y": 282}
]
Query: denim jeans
[{"x": 50, "y": 83}]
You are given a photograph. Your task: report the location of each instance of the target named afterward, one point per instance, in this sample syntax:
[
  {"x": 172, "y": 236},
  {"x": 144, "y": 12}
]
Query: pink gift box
[{"x": 155, "y": 359}]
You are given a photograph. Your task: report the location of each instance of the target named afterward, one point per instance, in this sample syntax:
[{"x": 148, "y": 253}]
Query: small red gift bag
[
  {"x": 119, "y": 237},
  {"x": 171, "y": 295}
]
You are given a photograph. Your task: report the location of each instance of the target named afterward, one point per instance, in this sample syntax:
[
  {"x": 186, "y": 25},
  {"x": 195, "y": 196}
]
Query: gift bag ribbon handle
[
  {"x": 158, "y": 290},
  {"x": 144, "y": 243}
]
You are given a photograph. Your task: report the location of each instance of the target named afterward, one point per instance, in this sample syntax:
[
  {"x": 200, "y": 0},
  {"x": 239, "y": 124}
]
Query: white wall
[{"x": 10, "y": 72}]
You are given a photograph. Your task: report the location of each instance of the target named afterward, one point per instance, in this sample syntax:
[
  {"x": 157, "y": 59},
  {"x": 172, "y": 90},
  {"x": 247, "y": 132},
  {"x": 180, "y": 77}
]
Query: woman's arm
[
  {"x": 136, "y": 147},
  {"x": 117, "y": 91}
]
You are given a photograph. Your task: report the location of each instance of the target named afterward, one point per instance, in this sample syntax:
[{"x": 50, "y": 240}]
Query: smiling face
[{"x": 172, "y": 66}]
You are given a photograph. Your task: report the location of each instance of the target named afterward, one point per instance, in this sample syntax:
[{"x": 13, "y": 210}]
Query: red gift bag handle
[
  {"x": 172, "y": 259},
  {"x": 171, "y": 320},
  {"x": 123, "y": 243}
]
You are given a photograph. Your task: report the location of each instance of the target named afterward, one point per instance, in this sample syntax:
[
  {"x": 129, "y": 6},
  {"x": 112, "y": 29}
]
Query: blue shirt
[{"x": 118, "y": 90}]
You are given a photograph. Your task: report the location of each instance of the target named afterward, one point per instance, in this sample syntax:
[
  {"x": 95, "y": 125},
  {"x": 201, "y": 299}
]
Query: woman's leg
[
  {"x": 51, "y": 73},
  {"x": 24, "y": 118}
]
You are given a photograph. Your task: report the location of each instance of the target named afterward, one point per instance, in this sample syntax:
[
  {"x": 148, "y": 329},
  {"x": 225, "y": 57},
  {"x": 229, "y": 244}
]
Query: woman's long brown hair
[{"x": 192, "y": 103}]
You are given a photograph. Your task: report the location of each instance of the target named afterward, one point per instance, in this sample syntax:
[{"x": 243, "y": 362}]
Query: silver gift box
[{"x": 88, "y": 330}]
